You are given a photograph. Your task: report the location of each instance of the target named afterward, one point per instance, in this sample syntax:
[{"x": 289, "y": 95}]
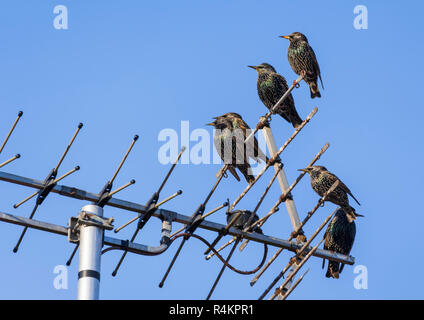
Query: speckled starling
[
  {"x": 322, "y": 180},
  {"x": 271, "y": 87},
  {"x": 302, "y": 58},
  {"x": 231, "y": 131},
  {"x": 339, "y": 238},
  {"x": 243, "y": 219}
]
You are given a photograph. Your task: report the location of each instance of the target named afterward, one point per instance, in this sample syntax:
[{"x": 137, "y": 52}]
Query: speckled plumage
[
  {"x": 322, "y": 180},
  {"x": 231, "y": 132},
  {"x": 271, "y": 87},
  {"x": 302, "y": 58},
  {"x": 339, "y": 237},
  {"x": 242, "y": 220}
]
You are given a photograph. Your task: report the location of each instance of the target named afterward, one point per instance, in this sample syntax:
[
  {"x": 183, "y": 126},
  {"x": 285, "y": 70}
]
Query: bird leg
[
  {"x": 289, "y": 196},
  {"x": 275, "y": 160},
  {"x": 224, "y": 174},
  {"x": 303, "y": 74},
  {"x": 300, "y": 236},
  {"x": 279, "y": 291},
  {"x": 263, "y": 122}
]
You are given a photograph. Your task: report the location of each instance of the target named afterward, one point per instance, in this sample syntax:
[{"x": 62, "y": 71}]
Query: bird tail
[
  {"x": 234, "y": 172},
  {"x": 249, "y": 178},
  {"x": 245, "y": 169},
  {"x": 314, "y": 90},
  {"x": 356, "y": 200},
  {"x": 333, "y": 270},
  {"x": 294, "y": 118},
  {"x": 320, "y": 79},
  {"x": 296, "y": 121}
]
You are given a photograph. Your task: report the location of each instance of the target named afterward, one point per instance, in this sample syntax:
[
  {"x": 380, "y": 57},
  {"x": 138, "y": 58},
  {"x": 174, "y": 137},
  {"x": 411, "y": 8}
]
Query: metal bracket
[
  {"x": 167, "y": 215},
  {"x": 86, "y": 219}
]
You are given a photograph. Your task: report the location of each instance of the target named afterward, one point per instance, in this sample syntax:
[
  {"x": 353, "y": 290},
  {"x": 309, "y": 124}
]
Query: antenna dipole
[
  {"x": 48, "y": 184},
  {"x": 196, "y": 220},
  {"x": 151, "y": 206},
  {"x": 106, "y": 194},
  {"x": 10, "y": 131}
]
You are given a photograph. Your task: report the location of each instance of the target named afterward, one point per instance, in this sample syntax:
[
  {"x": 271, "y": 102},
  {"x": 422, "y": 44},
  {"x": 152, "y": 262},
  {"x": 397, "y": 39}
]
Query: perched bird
[
  {"x": 322, "y": 180},
  {"x": 243, "y": 219},
  {"x": 302, "y": 58},
  {"x": 271, "y": 87},
  {"x": 339, "y": 238},
  {"x": 252, "y": 149},
  {"x": 230, "y": 134}
]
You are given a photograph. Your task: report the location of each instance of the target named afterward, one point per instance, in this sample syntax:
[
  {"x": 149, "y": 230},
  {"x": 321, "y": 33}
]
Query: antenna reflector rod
[
  {"x": 17, "y": 205},
  {"x": 171, "y": 169},
  {"x": 122, "y": 188},
  {"x": 11, "y": 130},
  {"x": 125, "y": 158},
  {"x": 10, "y": 160},
  {"x": 155, "y": 207},
  {"x": 68, "y": 263},
  {"x": 225, "y": 204},
  {"x": 69, "y": 146}
]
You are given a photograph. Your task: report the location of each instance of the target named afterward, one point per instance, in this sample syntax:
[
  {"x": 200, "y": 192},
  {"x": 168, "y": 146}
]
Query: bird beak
[
  {"x": 285, "y": 37},
  {"x": 210, "y": 124},
  {"x": 253, "y": 67},
  {"x": 303, "y": 170}
]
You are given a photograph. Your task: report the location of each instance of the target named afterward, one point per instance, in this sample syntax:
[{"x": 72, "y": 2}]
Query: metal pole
[
  {"x": 282, "y": 180},
  {"x": 91, "y": 242}
]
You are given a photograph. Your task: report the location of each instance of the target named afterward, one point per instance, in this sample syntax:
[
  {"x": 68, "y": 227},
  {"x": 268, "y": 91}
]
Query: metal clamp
[{"x": 86, "y": 219}]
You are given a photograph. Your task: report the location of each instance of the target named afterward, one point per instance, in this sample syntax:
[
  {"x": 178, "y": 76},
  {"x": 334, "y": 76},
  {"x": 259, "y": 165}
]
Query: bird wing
[
  {"x": 347, "y": 190},
  {"x": 350, "y": 238},
  {"x": 257, "y": 155},
  {"x": 315, "y": 65},
  {"x": 234, "y": 172},
  {"x": 239, "y": 151},
  {"x": 333, "y": 179},
  {"x": 288, "y": 109},
  {"x": 281, "y": 84},
  {"x": 280, "y": 87},
  {"x": 219, "y": 142}
]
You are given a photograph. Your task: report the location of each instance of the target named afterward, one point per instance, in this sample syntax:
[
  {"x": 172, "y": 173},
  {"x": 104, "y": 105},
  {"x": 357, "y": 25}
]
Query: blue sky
[{"x": 141, "y": 67}]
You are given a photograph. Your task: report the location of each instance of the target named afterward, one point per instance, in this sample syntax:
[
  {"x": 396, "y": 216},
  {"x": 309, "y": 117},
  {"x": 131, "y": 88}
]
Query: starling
[
  {"x": 302, "y": 58},
  {"x": 322, "y": 180},
  {"x": 230, "y": 135},
  {"x": 242, "y": 220},
  {"x": 238, "y": 123},
  {"x": 271, "y": 87},
  {"x": 339, "y": 238}
]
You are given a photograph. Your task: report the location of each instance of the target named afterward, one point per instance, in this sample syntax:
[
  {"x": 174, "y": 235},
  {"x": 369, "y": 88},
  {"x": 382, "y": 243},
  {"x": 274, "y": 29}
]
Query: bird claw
[
  {"x": 275, "y": 160},
  {"x": 279, "y": 291},
  {"x": 263, "y": 122},
  {"x": 301, "y": 238},
  {"x": 287, "y": 197},
  {"x": 296, "y": 84}
]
